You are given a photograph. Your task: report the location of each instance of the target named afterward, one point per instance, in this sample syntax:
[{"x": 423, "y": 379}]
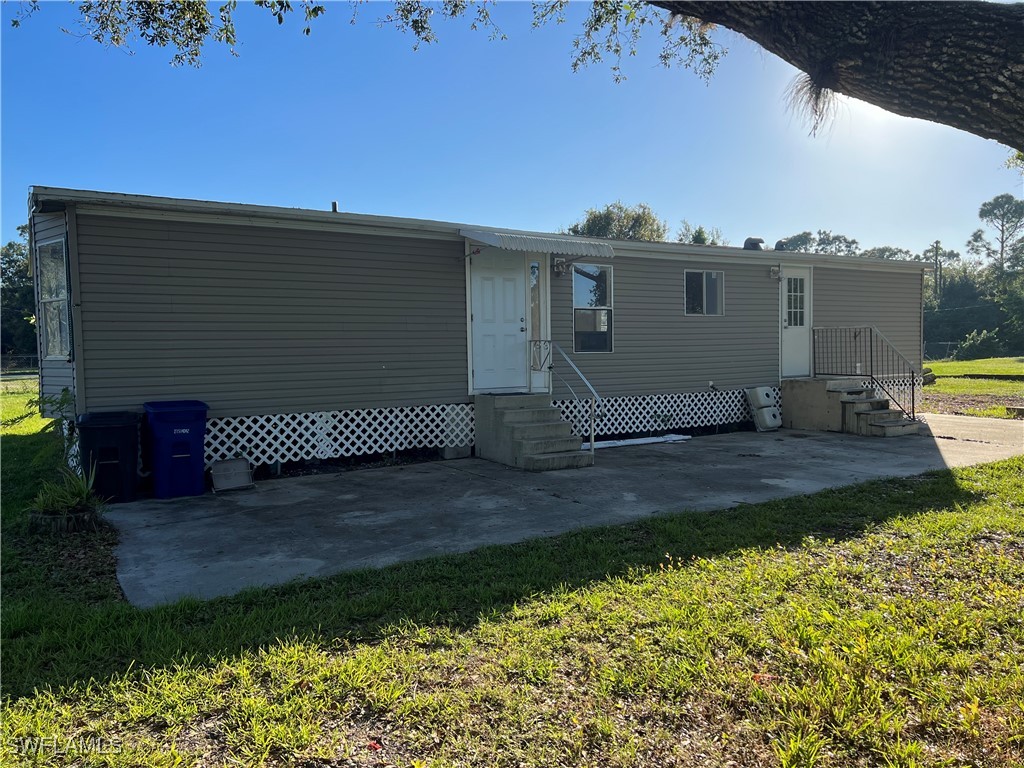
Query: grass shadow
[{"x": 54, "y": 643}]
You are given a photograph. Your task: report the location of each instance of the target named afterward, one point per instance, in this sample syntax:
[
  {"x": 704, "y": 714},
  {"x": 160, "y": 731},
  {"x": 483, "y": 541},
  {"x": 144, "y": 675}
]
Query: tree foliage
[
  {"x": 17, "y": 299},
  {"x": 700, "y": 235},
  {"x": 1004, "y": 216},
  {"x": 822, "y": 242},
  {"x": 886, "y": 252},
  {"x": 908, "y": 58},
  {"x": 621, "y": 222}
]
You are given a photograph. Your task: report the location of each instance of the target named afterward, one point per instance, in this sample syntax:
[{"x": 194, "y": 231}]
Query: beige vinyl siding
[
  {"x": 889, "y": 301},
  {"x": 261, "y": 320},
  {"x": 55, "y": 375},
  {"x": 657, "y": 348}
]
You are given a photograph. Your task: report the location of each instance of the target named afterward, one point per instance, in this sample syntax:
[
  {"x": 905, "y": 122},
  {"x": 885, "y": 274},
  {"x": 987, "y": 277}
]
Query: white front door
[
  {"x": 499, "y": 321},
  {"x": 796, "y": 321}
]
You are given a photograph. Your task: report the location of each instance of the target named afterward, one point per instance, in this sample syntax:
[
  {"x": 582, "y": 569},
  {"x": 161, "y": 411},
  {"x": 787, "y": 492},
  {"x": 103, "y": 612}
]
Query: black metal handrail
[{"x": 864, "y": 351}]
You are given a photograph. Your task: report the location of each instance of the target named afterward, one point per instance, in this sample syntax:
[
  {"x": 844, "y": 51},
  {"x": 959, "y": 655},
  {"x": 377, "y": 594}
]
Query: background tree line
[{"x": 974, "y": 301}]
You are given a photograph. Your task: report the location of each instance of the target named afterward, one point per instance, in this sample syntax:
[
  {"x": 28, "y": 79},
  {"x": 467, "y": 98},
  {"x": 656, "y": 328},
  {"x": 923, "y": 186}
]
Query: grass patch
[
  {"x": 995, "y": 365},
  {"x": 973, "y": 397},
  {"x": 995, "y": 387},
  {"x": 879, "y": 624}
]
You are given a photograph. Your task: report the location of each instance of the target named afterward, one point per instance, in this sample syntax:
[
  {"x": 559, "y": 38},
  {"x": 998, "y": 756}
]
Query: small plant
[
  {"x": 69, "y": 505},
  {"x": 979, "y": 344}
]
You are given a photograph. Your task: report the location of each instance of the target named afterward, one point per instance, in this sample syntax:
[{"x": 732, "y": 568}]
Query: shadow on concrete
[{"x": 76, "y": 643}]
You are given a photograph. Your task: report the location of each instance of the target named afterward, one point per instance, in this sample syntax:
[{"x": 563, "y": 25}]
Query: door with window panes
[{"x": 796, "y": 321}]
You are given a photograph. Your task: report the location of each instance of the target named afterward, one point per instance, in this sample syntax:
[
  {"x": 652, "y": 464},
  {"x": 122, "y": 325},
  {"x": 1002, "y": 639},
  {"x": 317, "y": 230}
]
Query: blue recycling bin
[{"x": 175, "y": 431}]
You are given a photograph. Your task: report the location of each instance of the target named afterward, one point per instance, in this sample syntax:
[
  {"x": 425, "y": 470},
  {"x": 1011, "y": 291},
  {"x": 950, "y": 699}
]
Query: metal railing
[
  {"x": 542, "y": 359},
  {"x": 863, "y": 351}
]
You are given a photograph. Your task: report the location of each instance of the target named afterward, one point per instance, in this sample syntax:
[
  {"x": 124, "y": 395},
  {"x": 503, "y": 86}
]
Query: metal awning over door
[{"x": 562, "y": 246}]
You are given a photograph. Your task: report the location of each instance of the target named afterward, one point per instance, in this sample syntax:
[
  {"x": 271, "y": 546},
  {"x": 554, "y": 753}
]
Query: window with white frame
[
  {"x": 704, "y": 292},
  {"x": 54, "y": 321},
  {"x": 592, "y": 308}
]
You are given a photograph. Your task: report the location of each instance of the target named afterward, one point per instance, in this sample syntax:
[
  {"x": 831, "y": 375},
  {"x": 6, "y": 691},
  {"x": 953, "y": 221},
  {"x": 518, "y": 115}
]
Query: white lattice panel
[
  {"x": 900, "y": 388},
  {"x": 72, "y": 449},
  {"x": 330, "y": 434},
  {"x": 652, "y": 413}
]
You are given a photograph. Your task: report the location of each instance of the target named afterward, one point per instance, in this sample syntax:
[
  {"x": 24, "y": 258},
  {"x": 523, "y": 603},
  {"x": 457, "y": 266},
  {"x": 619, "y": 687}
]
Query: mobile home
[{"x": 316, "y": 334}]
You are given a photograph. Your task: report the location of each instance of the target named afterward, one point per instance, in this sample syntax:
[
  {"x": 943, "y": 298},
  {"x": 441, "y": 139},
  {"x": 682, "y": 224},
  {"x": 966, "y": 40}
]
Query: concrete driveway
[{"x": 320, "y": 525}]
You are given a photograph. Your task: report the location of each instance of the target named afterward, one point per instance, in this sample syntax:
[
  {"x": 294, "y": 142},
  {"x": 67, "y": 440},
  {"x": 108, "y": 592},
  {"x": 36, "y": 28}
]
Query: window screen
[
  {"x": 704, "y": 292},
  {"x": 592, "y": 308}
]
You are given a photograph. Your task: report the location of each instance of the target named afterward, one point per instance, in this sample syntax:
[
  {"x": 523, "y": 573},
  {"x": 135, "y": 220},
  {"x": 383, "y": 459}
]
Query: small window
[
  {"x": 704, "y": 293},
  {"x": 795, "y": 296},
  {"x": 592, "y": 308},
  {"x": 54, "y": 322}
]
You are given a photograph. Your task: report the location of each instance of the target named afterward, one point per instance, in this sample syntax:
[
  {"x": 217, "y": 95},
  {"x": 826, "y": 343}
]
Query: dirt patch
[{"x": 959, "y": 405}]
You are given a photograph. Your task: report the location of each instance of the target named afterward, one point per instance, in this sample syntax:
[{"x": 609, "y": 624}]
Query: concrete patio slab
[{"x": 316, "y": 526}]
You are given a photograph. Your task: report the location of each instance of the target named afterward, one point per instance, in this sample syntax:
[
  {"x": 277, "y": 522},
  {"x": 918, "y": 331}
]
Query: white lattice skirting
[
  {"x": 901, "y": 387},
  {"x": 652, "y": 413},
  {"x": 330, "y": 434}
]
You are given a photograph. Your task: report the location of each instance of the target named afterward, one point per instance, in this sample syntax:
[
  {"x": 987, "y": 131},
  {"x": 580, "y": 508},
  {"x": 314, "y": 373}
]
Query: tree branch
[{"x": 956, "y": 63}]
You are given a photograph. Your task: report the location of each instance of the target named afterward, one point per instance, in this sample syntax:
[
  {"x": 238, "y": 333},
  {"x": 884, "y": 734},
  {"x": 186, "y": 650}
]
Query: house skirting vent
[{"x": 332, "y": 434}]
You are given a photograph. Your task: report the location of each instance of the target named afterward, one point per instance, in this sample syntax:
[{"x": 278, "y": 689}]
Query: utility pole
[{"x": 938, "y": 271}]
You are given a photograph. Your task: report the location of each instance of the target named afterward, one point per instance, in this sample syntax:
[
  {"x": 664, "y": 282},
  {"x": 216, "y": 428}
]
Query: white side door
[
  {"x": 796, "y": 321},
  {"x": 499, "y": 321}
]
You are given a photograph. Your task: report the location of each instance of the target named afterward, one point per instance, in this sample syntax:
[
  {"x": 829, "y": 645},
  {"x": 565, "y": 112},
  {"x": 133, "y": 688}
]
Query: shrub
[
  {"x": 69, "y": 505},
  {"x": 979, "y": 344}
]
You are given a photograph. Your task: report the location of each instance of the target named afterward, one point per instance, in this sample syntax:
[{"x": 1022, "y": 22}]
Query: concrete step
[
  {"x": 555, "y": 445},
  {"x": 530, "y": 415},
  {"x": 844, "y": 384},
  {"x": 869, "y": 404},
  {"x": 866, "y": 419},
  {"x": 853, "y": 393},
  {"x": 550, "y": 431},
  {"x": 522, "y": 401},
  {"x": 544, "y": 462},
  {"x": 895, "y": 428},
  {"x": 881, "y": 414}
]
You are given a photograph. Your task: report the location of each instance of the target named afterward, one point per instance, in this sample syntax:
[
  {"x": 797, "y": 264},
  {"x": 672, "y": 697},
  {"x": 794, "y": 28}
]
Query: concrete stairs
[
  {"x": 527, "y": 432},
  {"x": 866, "y": 413},
  {"x": 842, "y": 405}
]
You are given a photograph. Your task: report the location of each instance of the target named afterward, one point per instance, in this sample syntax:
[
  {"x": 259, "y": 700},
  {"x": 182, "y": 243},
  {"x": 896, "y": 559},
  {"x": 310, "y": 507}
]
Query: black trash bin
[{"x": 109, "y": 446}]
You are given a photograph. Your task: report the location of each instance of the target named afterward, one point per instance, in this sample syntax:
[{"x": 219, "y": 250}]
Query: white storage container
[
  {"x": 767, "y": 419},
  {"x": 760, "y": 397},
  {"x": 230, "y": 474}
]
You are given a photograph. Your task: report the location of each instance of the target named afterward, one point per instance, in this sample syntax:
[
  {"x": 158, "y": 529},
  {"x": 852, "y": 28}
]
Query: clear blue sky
[{"x": 476, "y": 131}]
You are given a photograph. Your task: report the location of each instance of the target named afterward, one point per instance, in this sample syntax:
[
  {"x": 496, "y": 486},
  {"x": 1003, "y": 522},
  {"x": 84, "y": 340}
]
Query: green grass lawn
[
  {"x": 973, "y": 397},
  {"x": 991, "y": 365},
  {"x": 881, "y": 624}
]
